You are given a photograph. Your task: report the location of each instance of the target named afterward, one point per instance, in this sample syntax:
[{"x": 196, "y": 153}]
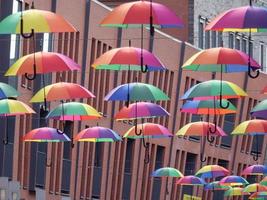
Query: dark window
[
  {"x": 231, "y": 40},
  {"x": 244, "y": 45},
  {"x": 237, "y": 42},
  {"x": 97, "y": 170},
  {"x": 201, "y": 33},
  {"x": 213, "y": 39},
  {"x": 207, "y": 39},
  {"x": 220, "y": 39},
  {"x": 195, "y": 118},
  {"x": 257, "y": 144}
]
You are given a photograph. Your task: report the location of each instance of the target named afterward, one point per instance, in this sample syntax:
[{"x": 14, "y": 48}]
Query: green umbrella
[
  {"x": 260, "y": 110},
  {"x": 167, "y": 171},
  {"x": 235, "y": 191},
  {"x": 7, "y": 91}
]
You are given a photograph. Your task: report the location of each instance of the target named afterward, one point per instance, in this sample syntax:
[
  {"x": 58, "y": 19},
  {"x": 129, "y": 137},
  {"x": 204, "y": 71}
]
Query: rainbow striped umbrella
[
  {"x": 260, "y": 110},
  {"x": 210, "y": 89},
  {"x": 199, "y": 129},
  {"x": 167, "y": 172},
  {"x": 136, "y": 92},
  {"x": 258, "y": 195},
  {"x": 212, "y": 171},
  {"x": 45, "y": 62},
  {"x": 10, "y": 107},
  {"x": 97, "y": 134},
  {"x": 141, "y": 110},
  {"x": 46, "y": 134},
  {"x": 6, "y": 91},
  {"x": 191, "y": 180},
  {"x": 255, "y": 170},
  {"x": 255, "y": 187},
  {"x": 61, "y": 91},
  {"x": 208, "y": 107},
  {"x": 233, "y": 181},
  {"x": 74, "y": 111},
  {"x": 251, "y": 127},
  {"x": 149, "y": 130},
  {"x": 264, "y": 181},
  {"x": 216, "y": 186},
  {"x": 128, "y": 58},
  {"x": 235, "y": 191},
  {"x": 40, "y": 21}
]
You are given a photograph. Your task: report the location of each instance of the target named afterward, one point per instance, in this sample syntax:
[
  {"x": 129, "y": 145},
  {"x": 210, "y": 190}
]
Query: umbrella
[
  {"x": 260, "y": 110},
  {"x": 255, "y": 170},
  {"x": 10, "y": 107},
  {"x": 252, "y": 127},
  {"x": 141, "y": 110},
  {"x": 97, "y": 134},
  {"x": 61, "y": 91},
  {"x": 147, "y": 130},
  {"x": 200, "y": 129},
  {"x": 256, "y": 187},
  {"x": 212, "y": 171},
  {"x": 264, "y": 91},
  {"x": 264, "y": 181},
  {"x": 216, "y": 186},
  {"x": 167, "y": 172},
  {"x": 233, "y": 181},
  {"x": 235, "y": 191},
  {"x": 258, "y": 195},
  {"x": 137, "y": 92},
  {"x": 128, "y": 58},
  {"x": 247, "y": 18},
  {"x": 190, "y": 180},
  {"x": 74, "y": 111},
  {"x": 7, "y": 91},
  {"x": 41, "y": 63},
  {"x": 45, "y": 134}
]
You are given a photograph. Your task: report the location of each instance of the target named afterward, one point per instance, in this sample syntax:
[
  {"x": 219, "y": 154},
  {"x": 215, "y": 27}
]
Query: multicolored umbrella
[
  {"x": 260, "y": 110},
  {"x": 255, "y": 170},
  {"x": 258, "y": 195},
  {"x": 167, "y": 172},
  {"x": 141, "y": 110},
  {"x": 10, "y": 107},
  {"x": 7, "y": 91},
  {"x": 212, "y": 171},
  {"x": 97, "y": 134},
  {"x": 61, "y": 91},
  {"x": 191, "y": 180},
  {"x": 128, "y": 58},
  {"x": 207, "y": 107},
  {"x": 235, "y": 191},
  {"x": 74, "y": 111},
  {"x": 255, "y": 187},
  {"x": 233, "y": 181},
  {"x": 41, "y": 21},
  {"x": 213, "y": 186},
  {"x": 45, "y": 134},
  {"x": 220, "y": 59},
  {"x": 136, "y": 92},
  {"x": 264, "y": 181}
]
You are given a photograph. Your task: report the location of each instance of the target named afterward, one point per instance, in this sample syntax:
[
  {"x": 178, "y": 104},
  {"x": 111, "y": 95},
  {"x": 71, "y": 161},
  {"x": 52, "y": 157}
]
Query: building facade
[{"x": 117, "y": 170}]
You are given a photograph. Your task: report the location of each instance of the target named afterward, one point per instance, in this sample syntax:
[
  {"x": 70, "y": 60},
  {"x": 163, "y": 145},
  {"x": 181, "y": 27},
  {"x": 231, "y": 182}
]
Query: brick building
[{"x": 117, "y": 170}]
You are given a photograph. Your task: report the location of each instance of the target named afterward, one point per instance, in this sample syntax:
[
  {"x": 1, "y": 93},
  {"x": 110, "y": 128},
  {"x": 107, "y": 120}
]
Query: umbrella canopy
[
  {"x": 136, "y": 92},
  {"x": 7, "y": 91},
  {"x": 74, "y": 111},
  {"x": 240, "y": 19},
  {"x": 233, "y": 181},
  {"x": 216, "y": 186},
  {"x": 258, "y": 195},
  {"x": 10, "y": 107},
  {"x": 128, "y": 58},
  {"x": 141, "y": 110},
  {"x": 40, "y": 20},
  {"x": 46, "y": 62},
  {"x": 251, "y": 127},
  {"x": 264, "y": 181},
  {"x": 61, "y": 91},
  {"x": 260, "y": 110},
  {"x": 255, "y": 170},
  {"x": 255, "y": 187},
  {"x": 45, "y": 134},
  {"x": 167, "y": 172},
  {"x": 235, "y": 191},
  {"x": 199, "y": 129},
  {"x": 149, "y": 130},
  {"x": 264, "y": 91},
  {"x": 212, "y": 171},
  {"x": 97, "y": 134},
  {"x": 210, "y": 89},
  {"x": 134, "y": 14},
  {"x": 220, "y": 59},
  {"x": 190, "y": 180},
  {"x": 207, "y": 107}
]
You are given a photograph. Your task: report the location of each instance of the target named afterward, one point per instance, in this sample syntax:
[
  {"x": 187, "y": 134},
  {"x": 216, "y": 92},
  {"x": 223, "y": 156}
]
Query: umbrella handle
[
  {"x": 25, "y": 36},
  {"x": 72, "y": 143},
  {"x": 144, "y": 68},
  {"x": 60, "y": 132},
  {"x": 256, "y": 157},
  {"x": 136, "y": 130},
  {"x": 221, "y": 105},
  {"x": 202, "y": 158},
  {"x": 5, "y": 141},
  {"x": 210, "y": 139},
  {"x": 250, "y": 73},
  {"x": 213, "y": 130},
  {"x": 152, "y": 30},
  {"x": 30, "y": 78}
]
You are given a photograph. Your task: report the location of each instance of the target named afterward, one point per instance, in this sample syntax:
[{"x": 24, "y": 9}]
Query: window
[
  {"x": 231, "y": 40},
  {"x": 261, "y": 56},
  {"x": 237, "y": 42},
  {"x": 244, "y": 44},
  {"x": 213, "y": 39},
  {"x": 207, "y": 39},
  {"x": 220, "y": 39},
  {"x": 250, "y": 48},
  {"x": 97, "y": 175},
  {"x": 201, "y": 32}
]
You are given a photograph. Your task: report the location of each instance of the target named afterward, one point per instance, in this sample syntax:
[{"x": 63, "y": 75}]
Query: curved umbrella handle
[
  {"x": 210, "y": 139},
  {"x": 144, "y": 68},
  {"x": 250, "y": 73},
  {"x": 202, "y": 157},
  {"x": 221, "y": 105},
  {"x": 33, "y": 75},
  {"x": 256, "y": 157},
  {"x": 72, "y": 143},
  {"x": 136, "y": 130},
  {"x": 25, "y": 36}
]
